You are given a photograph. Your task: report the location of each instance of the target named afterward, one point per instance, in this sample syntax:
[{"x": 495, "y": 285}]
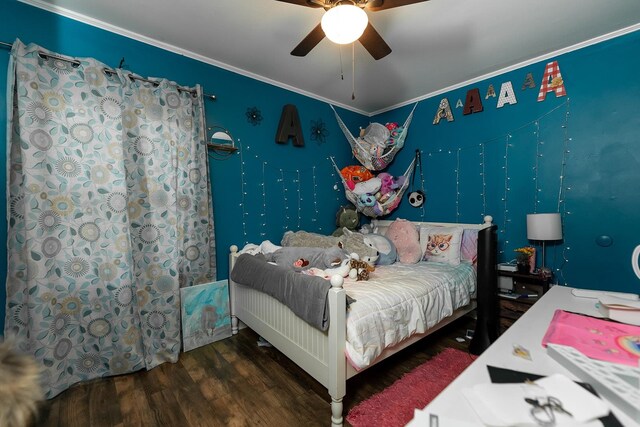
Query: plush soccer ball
[{"x": 416, "y": 198}]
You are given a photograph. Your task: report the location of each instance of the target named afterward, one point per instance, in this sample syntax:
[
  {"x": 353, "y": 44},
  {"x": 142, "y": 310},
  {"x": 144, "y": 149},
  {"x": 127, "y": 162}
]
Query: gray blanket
[{"x": 305, "y": 295}]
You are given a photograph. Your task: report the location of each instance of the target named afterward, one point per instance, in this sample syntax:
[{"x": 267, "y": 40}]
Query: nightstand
[{"x": 527, "y": 289}]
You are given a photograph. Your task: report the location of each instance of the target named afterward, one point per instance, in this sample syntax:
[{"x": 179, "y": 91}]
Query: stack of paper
[{"x": 503, "y": 405}]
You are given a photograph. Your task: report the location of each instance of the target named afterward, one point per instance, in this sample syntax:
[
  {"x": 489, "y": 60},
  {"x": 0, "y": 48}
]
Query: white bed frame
[{"x": 320, "y": 354}]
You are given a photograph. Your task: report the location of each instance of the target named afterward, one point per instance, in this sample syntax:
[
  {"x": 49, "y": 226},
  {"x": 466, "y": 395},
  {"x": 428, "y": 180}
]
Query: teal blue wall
[
  {"x": 602, "y": 167},
  {"x": 235, "y": 94},
  {"x": 602, "y": 171}
]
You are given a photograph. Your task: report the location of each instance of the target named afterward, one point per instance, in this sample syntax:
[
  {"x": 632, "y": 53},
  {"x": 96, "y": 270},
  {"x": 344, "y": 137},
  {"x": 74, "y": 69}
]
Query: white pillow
[{"x": 441, "y": 244}]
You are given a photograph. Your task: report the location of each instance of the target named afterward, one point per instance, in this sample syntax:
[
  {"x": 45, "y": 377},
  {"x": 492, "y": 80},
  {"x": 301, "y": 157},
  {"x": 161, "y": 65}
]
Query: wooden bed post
[
  {"x": 233, "y": 251},
  {"x": 337, "y": 383},
  {"x": 486, "y": 325}
]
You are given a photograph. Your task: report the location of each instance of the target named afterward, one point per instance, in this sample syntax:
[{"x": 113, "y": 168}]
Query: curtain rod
[{"x": 111, "y": 71}]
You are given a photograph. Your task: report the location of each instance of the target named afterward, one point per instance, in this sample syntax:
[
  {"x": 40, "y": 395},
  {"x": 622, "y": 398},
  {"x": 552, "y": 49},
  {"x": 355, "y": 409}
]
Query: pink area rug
[{"x": 394, "y": 405}]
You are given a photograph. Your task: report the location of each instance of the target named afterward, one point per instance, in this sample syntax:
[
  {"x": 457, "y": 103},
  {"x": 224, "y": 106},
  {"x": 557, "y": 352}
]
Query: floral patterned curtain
[{"x": 109, "y": 214}]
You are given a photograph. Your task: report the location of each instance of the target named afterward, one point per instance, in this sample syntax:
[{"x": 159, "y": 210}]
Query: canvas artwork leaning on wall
[{"x": 205, "y": 314}]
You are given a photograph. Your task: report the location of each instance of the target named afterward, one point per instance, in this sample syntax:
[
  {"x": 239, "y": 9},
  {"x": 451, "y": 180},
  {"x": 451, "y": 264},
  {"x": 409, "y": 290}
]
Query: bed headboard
[
  {"x": 487, "y": 322},
  {"x": 487, "y": 223}
]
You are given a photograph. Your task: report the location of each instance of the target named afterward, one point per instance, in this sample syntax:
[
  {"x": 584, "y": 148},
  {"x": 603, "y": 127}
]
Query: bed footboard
[
  {"x": 486, "y": 330},
  {"x": 320, "y": 354}
]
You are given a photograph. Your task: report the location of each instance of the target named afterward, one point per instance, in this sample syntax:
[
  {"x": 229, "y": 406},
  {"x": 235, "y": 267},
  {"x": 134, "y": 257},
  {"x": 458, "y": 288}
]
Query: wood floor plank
[
  {"x": 103, "y": 408},
  {"x": 167, "y": 409},
  {"x": 75, "y": 410},
  {"x": 194, "y": 406},
  {"x": 135, "y": 409}
]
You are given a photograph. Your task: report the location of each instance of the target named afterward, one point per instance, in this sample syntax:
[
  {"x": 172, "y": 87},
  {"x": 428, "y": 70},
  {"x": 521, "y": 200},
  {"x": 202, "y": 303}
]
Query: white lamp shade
[
  {"x": 344, "y": 23},
  {"x": 545, "y": 226}
]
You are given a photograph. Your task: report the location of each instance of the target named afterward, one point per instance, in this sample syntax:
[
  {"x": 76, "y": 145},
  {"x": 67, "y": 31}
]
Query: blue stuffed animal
[{"x": 366, "y": 200}]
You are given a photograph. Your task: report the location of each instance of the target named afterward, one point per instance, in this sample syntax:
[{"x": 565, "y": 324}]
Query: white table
[{"x": 527, "y": 332}]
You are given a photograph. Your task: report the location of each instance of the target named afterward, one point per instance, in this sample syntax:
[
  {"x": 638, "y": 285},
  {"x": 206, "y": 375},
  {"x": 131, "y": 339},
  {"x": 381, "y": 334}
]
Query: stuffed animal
[
  {"x": 342, "y": 270},
  {"x": 360, "y": 269},
  {"x": 370, "y": 186},
  {"x": 354, "y": 174},
  {"x": 387, "y": 253},
  {"x": 347, "y": 216},
  {"x": 406, "y": 239},
  {"x": 299, "y": 259},
  {"x": 388, "y": 183},
  {"x": 375, "y": 134},
  {"x": 395, "y": 134},
  {"x": 350, "y": 241},
  {"x": 366, "y": 200}
]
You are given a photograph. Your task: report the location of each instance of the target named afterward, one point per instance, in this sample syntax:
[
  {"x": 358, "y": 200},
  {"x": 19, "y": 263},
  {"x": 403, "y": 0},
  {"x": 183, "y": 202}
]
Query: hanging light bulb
[{"x": 344, "y": 23}]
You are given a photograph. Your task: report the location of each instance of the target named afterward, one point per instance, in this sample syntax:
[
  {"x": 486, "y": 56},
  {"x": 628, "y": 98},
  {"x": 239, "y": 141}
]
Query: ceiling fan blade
[
  {"x": 313, "y": 38},
  {"x": 376, "y": 5},
  {"x": 373, "y": 42},
  {"x": 308, "y": 3}
]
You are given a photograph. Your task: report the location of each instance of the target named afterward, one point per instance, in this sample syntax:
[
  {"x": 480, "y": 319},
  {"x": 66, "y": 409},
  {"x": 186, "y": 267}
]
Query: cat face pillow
[
  {"x": 441, "y": 244},
  {"x": 438, "y": 244}
]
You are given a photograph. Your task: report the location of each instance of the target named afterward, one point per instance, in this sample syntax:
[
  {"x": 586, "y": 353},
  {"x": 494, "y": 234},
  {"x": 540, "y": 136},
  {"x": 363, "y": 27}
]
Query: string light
[
  {"x": 505, "y": 198},
  {"x": 285, "y": 199},
  {"x": 338, "y": 183},
  {"x": 484, "y": 182},
  {"x": 457, "y": 185},
  {"x": 315, "y": 196},
  {"x": 243, "y": 193},
  {"x": 263, "y": 233},
  {"x": 562, "y": 206},
  {"x": 424, "y": 192},
  {"x": 535, "y": 168},
  {"x": 299, "y": 197}
]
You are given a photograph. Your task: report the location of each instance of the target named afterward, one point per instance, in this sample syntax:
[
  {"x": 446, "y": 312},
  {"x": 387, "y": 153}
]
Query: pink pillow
[
  {"x": 405, "y": 237},
  {"x": 469, "y": 247}
]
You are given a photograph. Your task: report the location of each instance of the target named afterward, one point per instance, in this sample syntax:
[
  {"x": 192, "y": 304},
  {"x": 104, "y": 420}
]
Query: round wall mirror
[{"x": 221, "y": 140}]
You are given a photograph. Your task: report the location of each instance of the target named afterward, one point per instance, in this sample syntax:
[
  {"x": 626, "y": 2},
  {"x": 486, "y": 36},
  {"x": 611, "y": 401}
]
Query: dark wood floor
[{"x": 232, "y": 382}]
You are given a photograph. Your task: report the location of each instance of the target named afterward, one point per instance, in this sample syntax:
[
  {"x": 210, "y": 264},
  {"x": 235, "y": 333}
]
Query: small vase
[{"x": 523, "y": 267}]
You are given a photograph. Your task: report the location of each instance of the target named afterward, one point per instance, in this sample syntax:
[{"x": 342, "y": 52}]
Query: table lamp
[{"x": 544, "y": 227}]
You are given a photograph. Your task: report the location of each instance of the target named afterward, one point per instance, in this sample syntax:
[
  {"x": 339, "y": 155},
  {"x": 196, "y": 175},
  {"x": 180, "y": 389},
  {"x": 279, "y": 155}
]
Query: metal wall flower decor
[
  {"x": 319, "y": 131},
  {"x": 254, "y": 116}
]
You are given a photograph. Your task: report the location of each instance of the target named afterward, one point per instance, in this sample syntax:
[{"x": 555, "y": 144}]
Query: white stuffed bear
[
  {"x": 343, "y": 269},
  {"x": 370, "y": 186}
]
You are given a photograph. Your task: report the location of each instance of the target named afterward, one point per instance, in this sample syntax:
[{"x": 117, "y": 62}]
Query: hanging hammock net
[
  {"x": 363, "y": 202},
  {"x": 378, "y": 145}
]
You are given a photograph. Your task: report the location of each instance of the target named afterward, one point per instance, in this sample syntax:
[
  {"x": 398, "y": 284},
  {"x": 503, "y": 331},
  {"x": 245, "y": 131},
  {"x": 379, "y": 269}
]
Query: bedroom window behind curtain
[{"x": 109, "y": 214}]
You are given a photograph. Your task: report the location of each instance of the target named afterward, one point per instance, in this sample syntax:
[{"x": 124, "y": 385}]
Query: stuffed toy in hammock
[
  {"x": 377, "y": 144},
  {"x": 380, "y": 195}
]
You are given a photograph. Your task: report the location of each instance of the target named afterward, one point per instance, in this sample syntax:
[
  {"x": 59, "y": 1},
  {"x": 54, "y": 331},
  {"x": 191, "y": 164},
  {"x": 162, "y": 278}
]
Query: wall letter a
[
  {"x": 507, "y": 96},
  {"x": 444, "y": 112},
  {"x": 473, "y": 103},
  {"x": 551, "y": 81},
  {"x": 289, "y": 127}
]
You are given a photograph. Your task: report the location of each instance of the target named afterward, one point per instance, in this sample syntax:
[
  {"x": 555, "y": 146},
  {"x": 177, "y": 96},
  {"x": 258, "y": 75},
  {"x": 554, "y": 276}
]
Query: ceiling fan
[{"x": 358, "y": 26}]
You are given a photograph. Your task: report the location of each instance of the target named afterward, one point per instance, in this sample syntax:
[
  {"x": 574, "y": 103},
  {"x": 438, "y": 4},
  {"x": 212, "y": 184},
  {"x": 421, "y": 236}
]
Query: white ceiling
[{"x": 437, "y": 45}]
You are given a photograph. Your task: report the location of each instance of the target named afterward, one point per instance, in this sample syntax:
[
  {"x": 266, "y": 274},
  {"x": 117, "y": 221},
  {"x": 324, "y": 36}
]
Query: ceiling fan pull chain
[
  {"x": 353, "y": 71},
  {"x": 341, "y": 69}
]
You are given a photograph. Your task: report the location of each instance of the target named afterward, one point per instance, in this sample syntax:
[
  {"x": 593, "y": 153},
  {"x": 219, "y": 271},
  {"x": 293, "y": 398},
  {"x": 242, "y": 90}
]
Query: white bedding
[{"x": 400, "y": 300}]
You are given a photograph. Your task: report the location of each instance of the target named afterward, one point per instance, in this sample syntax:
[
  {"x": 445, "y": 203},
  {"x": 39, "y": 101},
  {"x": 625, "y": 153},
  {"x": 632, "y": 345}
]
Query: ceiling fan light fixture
[{"x": 344, "y": 23}]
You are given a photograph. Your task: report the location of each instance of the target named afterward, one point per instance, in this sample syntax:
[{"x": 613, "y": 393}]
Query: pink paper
[{"x": 595, "y": 338}]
